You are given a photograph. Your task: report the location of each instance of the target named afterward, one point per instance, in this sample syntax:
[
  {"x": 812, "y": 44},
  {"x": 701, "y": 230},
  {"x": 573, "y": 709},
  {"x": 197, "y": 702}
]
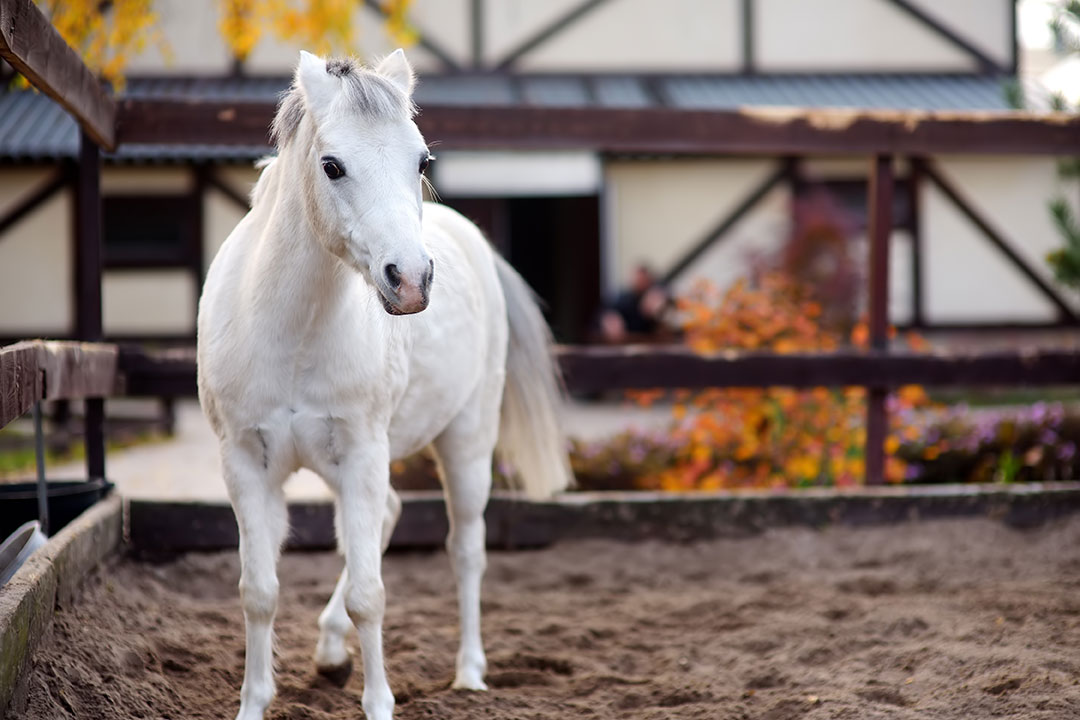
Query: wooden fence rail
[{"x": 37, "y": 370}]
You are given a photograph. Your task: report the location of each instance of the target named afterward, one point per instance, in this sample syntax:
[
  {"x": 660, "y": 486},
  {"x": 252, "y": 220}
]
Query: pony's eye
[
  {"x": 425, "y": 162},
  {"x": 332, "y": 169}
]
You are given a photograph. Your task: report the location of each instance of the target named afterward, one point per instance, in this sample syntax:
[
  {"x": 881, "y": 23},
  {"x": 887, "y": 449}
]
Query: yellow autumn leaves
[
  {"x": 322, "y": 26},
  {"x": 108, "y": 35}
]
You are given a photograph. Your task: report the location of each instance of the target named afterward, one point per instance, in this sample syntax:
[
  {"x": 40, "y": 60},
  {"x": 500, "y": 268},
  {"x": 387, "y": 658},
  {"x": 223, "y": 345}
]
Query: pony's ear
[
  {"x": 319, "y": 87},
  {"x": 396, "y": 68}
]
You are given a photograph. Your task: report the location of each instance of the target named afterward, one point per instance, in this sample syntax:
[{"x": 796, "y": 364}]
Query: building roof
[{"x": 33, "y": 128}]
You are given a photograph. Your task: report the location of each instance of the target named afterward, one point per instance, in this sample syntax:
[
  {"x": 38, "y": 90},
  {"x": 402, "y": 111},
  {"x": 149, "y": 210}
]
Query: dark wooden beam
[
  {"x": 914, "y": 188},
  {"x": 997, "y": 239},
  {"x": 879, "y": 228},
  {"x": 89, "y": 262},
  {"x": 187, "y": 121},
  {"x": 748, "y": 55},
  {"x": 777, "y": 131},
  {"x": 729, "y": 221},
  {"x": 423, "y": 40},
  {"x": 55, "y": 182},
  {"x": 986, "y": 63},
  {"x": 1014, "y": 35},
  {"x": 547, "y": 32},
  {"x": 30, "y": 43},
  {"x": 476, "y": 33}
]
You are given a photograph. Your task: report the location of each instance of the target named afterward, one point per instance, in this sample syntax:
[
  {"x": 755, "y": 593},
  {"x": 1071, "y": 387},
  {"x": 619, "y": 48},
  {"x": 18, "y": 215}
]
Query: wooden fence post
[
  {"x": 88, "y": 262},
  {"x": 880, "y": 205}
]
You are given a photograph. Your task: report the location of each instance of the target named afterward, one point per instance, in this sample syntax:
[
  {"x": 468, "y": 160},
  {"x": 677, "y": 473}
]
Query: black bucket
[{"x": 67, "y": 500}]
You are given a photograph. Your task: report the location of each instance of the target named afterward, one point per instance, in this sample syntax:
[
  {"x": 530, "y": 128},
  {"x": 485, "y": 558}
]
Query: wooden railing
[{"x": 35, "y": 371}]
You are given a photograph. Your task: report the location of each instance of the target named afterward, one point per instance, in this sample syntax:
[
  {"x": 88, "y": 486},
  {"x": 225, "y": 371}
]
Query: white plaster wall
[
  {"x": 642, "y": 35},
  {"x": 190, "y": 31},
  {"x": 220, "y": 213},
  {"x": 148, "y": 301},
  {"x": 35, "y": 259},
  {"x": 626, "y": 35},
  {"x": 986, "y": 24},
  {"x": 828, "y": 35},
  {"x": 657, "y": 210},
  {"x": 967, "y": 279}
]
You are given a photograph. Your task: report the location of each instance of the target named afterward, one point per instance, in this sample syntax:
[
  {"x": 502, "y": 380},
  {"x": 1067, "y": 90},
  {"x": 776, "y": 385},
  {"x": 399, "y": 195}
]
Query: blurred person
[{"x": 638, "y": 311}]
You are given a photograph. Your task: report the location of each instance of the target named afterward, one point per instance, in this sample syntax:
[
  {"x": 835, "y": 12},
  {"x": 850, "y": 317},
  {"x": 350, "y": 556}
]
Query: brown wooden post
[
  {"x": 88, "y": 265},
  {"x": 918, "y": 311},
  {"x": 880, "y": 202}
]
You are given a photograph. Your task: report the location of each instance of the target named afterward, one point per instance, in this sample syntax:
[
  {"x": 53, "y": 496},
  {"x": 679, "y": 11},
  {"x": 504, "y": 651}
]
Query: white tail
[{"x": 530, "y": 432}]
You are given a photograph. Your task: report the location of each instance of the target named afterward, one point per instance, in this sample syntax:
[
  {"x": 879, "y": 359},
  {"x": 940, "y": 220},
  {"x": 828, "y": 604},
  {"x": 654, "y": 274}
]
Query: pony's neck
[{"x": 295, "y": 276}]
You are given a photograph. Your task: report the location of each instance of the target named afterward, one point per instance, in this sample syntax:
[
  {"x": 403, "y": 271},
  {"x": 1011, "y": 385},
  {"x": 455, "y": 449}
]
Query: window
[{"x": 150, "y": 231}]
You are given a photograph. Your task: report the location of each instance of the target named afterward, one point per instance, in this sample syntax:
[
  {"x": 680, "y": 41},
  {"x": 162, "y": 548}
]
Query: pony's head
[{"x": 362, "y": 158}]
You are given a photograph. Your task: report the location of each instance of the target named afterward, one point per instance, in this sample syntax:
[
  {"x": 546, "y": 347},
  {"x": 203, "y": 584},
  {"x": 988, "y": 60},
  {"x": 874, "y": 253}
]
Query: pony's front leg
[
  {"x": 263, "y": 522},
  {"x": 363, "y": 483}
]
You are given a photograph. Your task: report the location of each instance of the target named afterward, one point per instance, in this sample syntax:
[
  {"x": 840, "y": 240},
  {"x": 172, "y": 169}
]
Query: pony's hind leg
[
  {"x": 332, "y": 657},
  {"x": 464, "y": 455},
  {"x": 262, "y": 519}
]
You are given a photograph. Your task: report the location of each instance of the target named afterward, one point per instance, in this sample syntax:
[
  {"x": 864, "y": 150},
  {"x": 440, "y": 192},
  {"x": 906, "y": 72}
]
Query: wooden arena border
[
  {"x": 164, "y": 528},
  {"x": 49, "y": 580}
]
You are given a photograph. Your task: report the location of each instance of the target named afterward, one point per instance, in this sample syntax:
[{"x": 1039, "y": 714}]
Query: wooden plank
[
  {"x": 760, "y": 131},
  {"x": 21, "y": 381},
  {"x": 76, "y": 371},
  {"x": 601, "y": 368},
  {"x": 32, "y": 46},
  {"x": 37, "y": 370}
]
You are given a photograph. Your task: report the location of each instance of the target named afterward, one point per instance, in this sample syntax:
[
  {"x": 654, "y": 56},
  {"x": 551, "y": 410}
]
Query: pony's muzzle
[{"x": 406, "y": 295}]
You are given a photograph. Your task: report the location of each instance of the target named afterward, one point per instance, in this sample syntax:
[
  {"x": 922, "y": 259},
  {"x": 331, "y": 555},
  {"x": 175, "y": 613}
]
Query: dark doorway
[{"x": 554, "y": 242}]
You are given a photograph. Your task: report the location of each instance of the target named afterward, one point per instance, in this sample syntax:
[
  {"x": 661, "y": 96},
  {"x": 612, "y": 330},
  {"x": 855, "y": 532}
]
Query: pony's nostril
[{"x": 392, "y": 276}]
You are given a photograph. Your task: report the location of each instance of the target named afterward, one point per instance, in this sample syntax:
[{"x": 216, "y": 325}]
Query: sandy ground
[
  {"x": 187, "y": 467},
  {"x": 951, "y": 619}
]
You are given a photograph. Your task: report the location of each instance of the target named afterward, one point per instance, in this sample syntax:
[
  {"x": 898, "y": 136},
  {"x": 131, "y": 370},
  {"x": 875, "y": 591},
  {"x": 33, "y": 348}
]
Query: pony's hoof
[
  {"x": 474, "y": 684},
  {"x": 337, "y": 674}
]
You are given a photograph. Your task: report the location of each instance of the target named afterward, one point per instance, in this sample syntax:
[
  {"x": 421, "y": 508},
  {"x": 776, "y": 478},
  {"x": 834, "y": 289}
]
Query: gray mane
[{"x": 369, "y": 93}]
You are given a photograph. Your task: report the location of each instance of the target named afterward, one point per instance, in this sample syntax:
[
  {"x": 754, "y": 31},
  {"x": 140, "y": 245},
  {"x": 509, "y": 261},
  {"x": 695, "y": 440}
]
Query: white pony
[{"x": 314, "y": 352}]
